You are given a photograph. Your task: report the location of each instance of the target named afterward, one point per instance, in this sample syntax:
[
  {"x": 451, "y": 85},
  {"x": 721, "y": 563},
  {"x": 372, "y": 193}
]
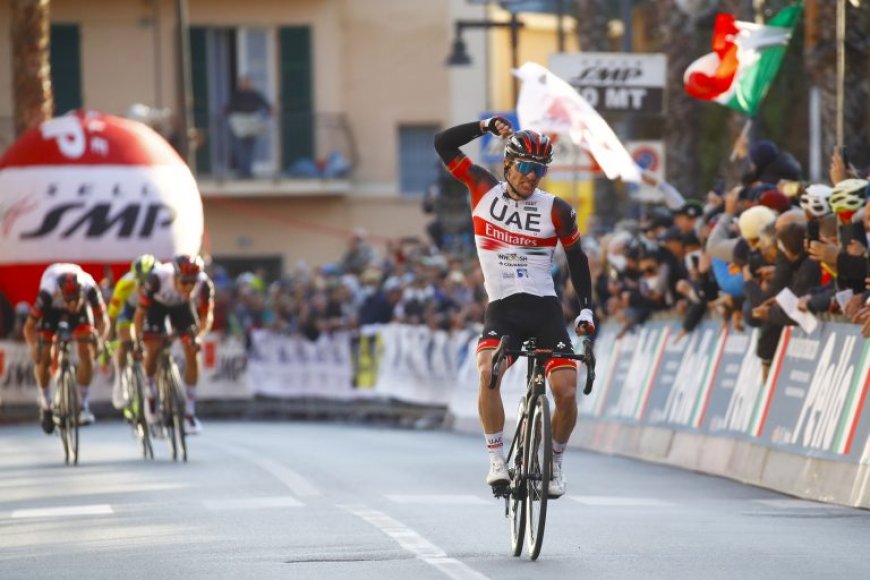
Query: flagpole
[
  {"x": 841, "y": 66},
  {"x": 741, "y": 144}
]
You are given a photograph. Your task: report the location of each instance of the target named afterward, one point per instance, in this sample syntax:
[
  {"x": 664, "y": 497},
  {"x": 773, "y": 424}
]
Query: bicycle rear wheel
[
  {"x": 516, "y": 510},
  {"x": 140, "y": 424},
  {"x": 539, "y": 456}
]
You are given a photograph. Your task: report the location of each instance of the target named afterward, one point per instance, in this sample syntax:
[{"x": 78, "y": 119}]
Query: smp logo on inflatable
[
  {"x": 97, "y": 220},
  {"x": 96, "y": 190}
]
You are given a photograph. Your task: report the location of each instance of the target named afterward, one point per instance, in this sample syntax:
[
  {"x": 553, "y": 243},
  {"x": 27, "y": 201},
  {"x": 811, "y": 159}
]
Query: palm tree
[{"x": 31, "y": 71}]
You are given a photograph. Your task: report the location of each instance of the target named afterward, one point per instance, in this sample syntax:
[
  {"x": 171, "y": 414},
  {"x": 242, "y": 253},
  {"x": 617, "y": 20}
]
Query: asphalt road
[{"x": 326, "y": 500}]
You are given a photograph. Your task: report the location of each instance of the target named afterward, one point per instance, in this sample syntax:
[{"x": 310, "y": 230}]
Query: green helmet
[{"x": 142, "y": 266}]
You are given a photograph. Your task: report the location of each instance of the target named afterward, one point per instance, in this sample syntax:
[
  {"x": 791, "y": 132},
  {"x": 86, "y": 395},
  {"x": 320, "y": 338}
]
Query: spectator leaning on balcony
[{"x": 247, "y": 113}]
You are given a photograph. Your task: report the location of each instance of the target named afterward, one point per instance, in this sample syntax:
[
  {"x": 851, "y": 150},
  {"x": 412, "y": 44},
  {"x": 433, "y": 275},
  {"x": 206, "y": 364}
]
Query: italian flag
[{"x": 745, "y": 59}]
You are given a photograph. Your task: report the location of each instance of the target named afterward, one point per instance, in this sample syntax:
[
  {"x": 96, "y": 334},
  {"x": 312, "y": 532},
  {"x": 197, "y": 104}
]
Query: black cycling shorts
[
  {"x": 525, "y": 316},
  {"x": 160, "y": 319},
  {"x": 81, "y": 323}
]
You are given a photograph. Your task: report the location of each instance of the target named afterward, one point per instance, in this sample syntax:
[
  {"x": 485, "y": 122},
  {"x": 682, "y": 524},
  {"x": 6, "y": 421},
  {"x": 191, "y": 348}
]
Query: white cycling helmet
[
  {"x": 753, "y": 221},
  {"x": 815, "y": 200},
  {"x": 848, "y": 195}
]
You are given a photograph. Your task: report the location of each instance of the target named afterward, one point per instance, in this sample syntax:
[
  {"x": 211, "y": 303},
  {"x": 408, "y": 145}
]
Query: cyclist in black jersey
[{"x": 517, "y": 227}]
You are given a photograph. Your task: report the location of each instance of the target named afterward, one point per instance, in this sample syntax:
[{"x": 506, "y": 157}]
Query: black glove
[{"x": 490, "y": 124}]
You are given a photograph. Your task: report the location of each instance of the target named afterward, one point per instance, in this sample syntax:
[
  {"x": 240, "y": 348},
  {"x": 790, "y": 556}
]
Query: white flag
[{"x": 550, "y": 105}]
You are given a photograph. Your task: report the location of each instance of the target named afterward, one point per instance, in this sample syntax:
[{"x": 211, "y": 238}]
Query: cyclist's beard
[{"x": 510, "y": 190}]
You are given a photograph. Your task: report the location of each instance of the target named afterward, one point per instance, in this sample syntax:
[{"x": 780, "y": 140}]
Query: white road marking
[
  {"x": 416, "y": 544},
  {"x": 252, "y": 503},
  {"x": 439, "y": 499},
  {"x": 617, "y": 501},
  {"x": 295, "y": 482},
  {"x": 75, "y": 510}
]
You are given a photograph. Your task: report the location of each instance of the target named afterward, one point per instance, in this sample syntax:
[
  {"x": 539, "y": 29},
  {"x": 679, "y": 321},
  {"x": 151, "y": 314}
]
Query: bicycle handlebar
[{"x": 587, "y": 357}]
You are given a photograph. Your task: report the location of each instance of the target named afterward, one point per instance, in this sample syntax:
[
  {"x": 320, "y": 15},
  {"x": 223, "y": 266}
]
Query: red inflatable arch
[{"x": 96, "y": 190}]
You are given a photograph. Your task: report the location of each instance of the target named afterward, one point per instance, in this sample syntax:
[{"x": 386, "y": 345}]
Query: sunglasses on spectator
[
  {"x": 650, "y": 270},
  {"x": 524, "y": 167}
]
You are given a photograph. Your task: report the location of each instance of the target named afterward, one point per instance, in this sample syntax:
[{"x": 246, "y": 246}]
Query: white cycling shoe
[
  {"x": 556, "y": 489},
  {"x": 85, "y": 416},
  {"x": 192, "y": 426},
  {"x": 498, "y": 471}
]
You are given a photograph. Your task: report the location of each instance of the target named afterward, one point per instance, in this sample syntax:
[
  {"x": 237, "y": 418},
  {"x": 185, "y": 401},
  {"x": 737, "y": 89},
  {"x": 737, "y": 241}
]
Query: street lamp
[{"x": 459, "y": 55}]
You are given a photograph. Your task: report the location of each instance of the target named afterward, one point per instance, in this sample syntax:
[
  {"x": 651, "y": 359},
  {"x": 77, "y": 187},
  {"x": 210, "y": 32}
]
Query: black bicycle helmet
[{"x": 530, "y": 146}]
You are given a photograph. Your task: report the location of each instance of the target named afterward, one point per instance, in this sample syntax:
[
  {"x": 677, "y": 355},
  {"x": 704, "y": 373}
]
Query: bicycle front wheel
[
  {"x": 539, "y": 457},
  {"x": 178, "y": 418},
  {"x": 140, "y": 424},
  {"x": 69, "y": 420},
  {"x": 516, "y": 509},
  {"x": 167, "y": 412}
]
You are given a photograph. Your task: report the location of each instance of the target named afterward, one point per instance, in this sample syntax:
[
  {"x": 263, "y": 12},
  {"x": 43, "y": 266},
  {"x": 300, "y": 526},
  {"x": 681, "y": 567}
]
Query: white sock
[
  {"x": 495, "y": 443},
  {"x": 84, "y": 391},
  {"x": 190, "y": 407},
  {"x": 44, "y": 400},
  {"x": 152, "y": 389},
  {"x": 558, "y": 452}
]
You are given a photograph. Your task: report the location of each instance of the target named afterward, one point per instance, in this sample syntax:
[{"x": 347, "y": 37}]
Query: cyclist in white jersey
[
  {"x": 179, "y": 293},
  {"x": 517, "y": 227},
  {"x": 66, "y": 293}
]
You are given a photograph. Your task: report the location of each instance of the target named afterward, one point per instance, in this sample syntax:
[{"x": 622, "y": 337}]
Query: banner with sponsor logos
[
  {"x": 291, "y": 366},
  {"x": 817, "y": 407},
  {"x": 736, "y": 387},
  {"x": 628, "y": 388},
  {"x": 814, "y": 401},
  {"x": 685, "y": 376},
  {"x": 223, "y": 373}
]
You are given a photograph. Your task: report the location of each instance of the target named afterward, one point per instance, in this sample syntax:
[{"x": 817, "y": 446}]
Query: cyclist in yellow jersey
[{"x": 122, "y": 306}]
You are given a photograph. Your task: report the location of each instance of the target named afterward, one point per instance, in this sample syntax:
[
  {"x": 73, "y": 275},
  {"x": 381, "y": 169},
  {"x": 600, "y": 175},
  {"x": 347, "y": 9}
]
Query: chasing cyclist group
[{"x": 152, "y": 301}]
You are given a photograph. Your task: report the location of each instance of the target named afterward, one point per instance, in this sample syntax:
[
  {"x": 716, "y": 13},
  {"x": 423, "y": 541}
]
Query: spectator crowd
[{"x": 727, "y": 256}]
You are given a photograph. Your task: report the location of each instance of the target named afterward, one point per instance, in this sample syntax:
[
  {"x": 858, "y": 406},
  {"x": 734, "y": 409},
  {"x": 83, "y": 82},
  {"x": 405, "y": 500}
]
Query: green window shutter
[
  {"x": 297, "y": 110},
  {"x": 199, "y": 81},
  {"x": 66, "y": 67}
]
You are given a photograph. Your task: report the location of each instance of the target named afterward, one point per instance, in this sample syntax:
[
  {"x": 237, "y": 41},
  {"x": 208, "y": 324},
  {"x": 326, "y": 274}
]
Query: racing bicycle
[
  {"x": 171, "y": 400},
  {"x": 530, "y": 457},
  {"x": 134, "y": 385},
  {"x": 66, "y": 396}
]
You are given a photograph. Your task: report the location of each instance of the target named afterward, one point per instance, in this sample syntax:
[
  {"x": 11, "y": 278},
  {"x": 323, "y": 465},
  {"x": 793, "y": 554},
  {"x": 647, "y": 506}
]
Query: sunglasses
[
  {"x": 187, "y": 281},
  {"x": 650, "y": 270},
  {"x": 539, "y": 169}
]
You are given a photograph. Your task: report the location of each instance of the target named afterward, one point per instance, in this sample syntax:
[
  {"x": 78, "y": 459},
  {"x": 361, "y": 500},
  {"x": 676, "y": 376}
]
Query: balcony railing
[
  {"x": 285, "y": 146},
  {"x": 295, "y": 147}
]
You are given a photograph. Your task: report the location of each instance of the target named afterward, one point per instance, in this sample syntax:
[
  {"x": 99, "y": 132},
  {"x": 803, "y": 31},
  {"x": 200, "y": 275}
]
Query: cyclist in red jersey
[{"x": 516, "y": 229}]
